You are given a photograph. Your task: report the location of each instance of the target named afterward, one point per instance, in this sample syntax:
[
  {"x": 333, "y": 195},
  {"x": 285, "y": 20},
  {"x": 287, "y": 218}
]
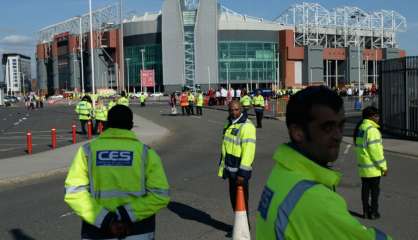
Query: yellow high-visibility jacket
[
  {"x": 116, "y": 173},
  {"x": 84, "y": 110}
]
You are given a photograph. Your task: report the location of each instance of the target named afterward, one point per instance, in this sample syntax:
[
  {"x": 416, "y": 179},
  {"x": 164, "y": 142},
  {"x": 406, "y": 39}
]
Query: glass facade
[
  {"x": 152, "y": 60},
  {"x": 241, "y": 62}
]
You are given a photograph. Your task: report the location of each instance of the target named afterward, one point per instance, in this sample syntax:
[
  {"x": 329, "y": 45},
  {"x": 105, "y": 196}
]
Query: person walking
[
  {"x": 199, "y": 103},
  {"x": 100, "y": 115},
  {"x": 173, "y": 103},
  {"x": 370, "y": 160},
  {"x": 116, "y": 184},
  {"x": 142, "y": 99},
  {"x": 245, "y": 101},
  {"x": 84, "y": 109},
  {"x": 258, "y": 103},
  {"x": 299, "y": 200},
  {"x": 238, "y": 151},
  {"x": 191, "y": 100}
]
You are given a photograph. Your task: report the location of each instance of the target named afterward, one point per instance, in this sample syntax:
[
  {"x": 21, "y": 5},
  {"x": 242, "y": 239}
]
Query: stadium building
[{"x": 200, "y": 42}]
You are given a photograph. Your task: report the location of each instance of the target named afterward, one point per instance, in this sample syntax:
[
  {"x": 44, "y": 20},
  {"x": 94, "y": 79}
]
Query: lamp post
[
  {"x": 91, "y": 49},
  {"x": 143, "y": 66},
  {"x": 127, "y": 63},
  {"x": 81, "y": 56},
  {"x": 251, "y": 74},
  {"x": 227, "y": 75}
]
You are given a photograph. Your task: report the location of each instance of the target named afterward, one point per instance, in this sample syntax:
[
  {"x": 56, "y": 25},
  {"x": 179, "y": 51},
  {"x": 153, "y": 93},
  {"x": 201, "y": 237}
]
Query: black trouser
[
  {"x": 245, "y": 110},
  {"x": 142, "y": 104},
  {"x": 83, "y": 125},
  {"x": 198, "y": 110},
  {"x": 370, "y": 186},
  {"x": 191, "y": 108},
  {"x": 233, "y": 194},
  {"x": 185, "y": 108},
  {"x": 259, "y": 116}
]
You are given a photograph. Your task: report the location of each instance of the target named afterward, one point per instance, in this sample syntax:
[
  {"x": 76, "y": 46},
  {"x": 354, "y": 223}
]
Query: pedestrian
[
  {"x": 258, "y": 103},
  {"x": 123, "y": 100},
  {"x": 184, "y": 103},
  {"x": 142, "y": 99},
  {"x": 111, "y": 103},
  {"x": 100, "y": 115},
  {"x": 191, "y": 100},
  {"x": 299, "y": 200},
  {"x": 199, "y": 103},
  {"x": 370, "y": 160},
  {"x": 84, "y": 110},
  {"x": 116, "y": 184},
  {"x": 238, "y": 151},
  {"x": 245, "y": 102},
  {"x": 173, "y": 103}
]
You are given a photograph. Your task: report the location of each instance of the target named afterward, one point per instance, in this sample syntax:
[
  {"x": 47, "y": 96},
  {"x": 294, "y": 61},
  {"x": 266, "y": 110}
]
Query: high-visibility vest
[
  {"x": 369, "y": 150},
  {"x": 199, "y": 101},
  {"x": 111, "y": 104},
  {"x": 123, "y": 101},
  {"x": 245, "y": 101},
  {"x": 184, "y": 100},
  {"x": 84, "y": 110},
  {"x": 299, "y": 202},
  {"x": 238, "y": 149},
  {"x": 258, "y": 102},
  {"x": 190, "y": 98},
  {"x": 100, "y": 113},
  {"x": 116, "y": 173},
  {"x": 142, "y": 98}
]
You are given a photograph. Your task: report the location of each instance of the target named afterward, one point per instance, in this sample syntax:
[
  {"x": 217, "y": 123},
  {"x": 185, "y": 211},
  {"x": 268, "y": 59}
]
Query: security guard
[
  {"x": 238, "y": 151},
  {"x": 123, "y": 100},
  {"x": 199, "y": 103},
  {"x": 258, "y": 103},
  {"x": 117, "y": 184},
  {"x": 84, "y": 110},
  {"x": 299, "y": 200},
  {"x": 142, "y": 98},
  {"x": 100, "y": 115},
  {"x": 245, "y": 101},
  {"x": 371, "y": 161},
  {"x": 191, "y": 100},
  {"x": 111, "y": 103}
]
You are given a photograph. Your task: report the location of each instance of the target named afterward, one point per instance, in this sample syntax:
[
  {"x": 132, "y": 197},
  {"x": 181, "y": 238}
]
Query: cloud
[{"x": 16, "y": 40}]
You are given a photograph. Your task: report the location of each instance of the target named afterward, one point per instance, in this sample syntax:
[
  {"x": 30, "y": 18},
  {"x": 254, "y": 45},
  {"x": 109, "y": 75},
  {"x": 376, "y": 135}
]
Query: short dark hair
[
  {"x": 369, "y": 112},
  {"x": 120, "y": 116},
  {"x": 300, "y": 105}
]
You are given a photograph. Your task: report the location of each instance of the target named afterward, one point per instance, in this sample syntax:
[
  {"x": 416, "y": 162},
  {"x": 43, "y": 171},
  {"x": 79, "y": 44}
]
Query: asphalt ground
[{"x": 200, "y": 206}]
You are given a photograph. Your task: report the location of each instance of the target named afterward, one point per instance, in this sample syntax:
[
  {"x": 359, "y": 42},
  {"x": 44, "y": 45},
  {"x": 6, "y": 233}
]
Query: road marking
[
  {"x": 196, "y": 117},
  {"x": 347, "y": 148},
  {"x": 67, "y": 214}
]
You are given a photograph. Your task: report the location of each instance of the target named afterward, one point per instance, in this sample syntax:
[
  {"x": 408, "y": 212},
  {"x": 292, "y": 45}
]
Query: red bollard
[
  {"x": 53, "y": 138},
  {"x": 73, "y": 127},
  {"x": 100, "y": 127},
  {"x": 29, "y": 142},
  {"x": 89, "y": 129}
]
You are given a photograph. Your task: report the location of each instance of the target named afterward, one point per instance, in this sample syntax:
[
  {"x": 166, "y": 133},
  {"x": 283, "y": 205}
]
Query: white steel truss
[
  {"x": 103, "y": 18},
  {"x": 191, "y": 4},
  {"x": 342, "y": 26}
]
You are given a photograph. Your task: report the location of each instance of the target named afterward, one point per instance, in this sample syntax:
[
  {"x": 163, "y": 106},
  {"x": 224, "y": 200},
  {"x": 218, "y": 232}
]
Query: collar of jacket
[
  {"x": 118, "y": 133},
  {"x": 291, "y": 159},
  {"x": 242, "y": 119},
  {"x": 371, "y": 122}
]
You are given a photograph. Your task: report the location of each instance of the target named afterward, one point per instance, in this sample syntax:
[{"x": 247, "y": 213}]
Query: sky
[{"x": 22, "y": 19}]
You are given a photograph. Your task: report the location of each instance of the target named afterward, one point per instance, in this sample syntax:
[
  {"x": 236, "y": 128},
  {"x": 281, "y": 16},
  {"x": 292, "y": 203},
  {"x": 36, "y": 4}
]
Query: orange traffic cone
[{"x": 241, "y": 227}]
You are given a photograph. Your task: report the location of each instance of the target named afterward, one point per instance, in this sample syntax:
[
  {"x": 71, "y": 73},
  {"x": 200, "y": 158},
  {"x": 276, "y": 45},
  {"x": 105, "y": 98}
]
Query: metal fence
[{"x": 399, "y": 96}]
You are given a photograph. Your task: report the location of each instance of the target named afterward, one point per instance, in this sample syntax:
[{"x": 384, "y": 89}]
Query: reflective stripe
[
  {"x": 374, "y": 142},
  {"x": 287, "y": 206},
  {"x": 231, "y": 169},
  {"x": 365, "y": 136},
  {"x": 164, "y": 192},
  {"x": 380, "y": 235},
  {"x": 76, "y": 189},
  {"x": 130, "y": 211},
  {"x": 374, "y": 164},
  {"x": 87, "y": 152},
  {"x": 246, "y": 168},
  {"x": 118, "y": 194},
  {"x": 144, "y": 163},
  {"x": 248, "y": 140},
  {"x": 100, "y": 218},
  {"x": 232, "y": 140}
]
